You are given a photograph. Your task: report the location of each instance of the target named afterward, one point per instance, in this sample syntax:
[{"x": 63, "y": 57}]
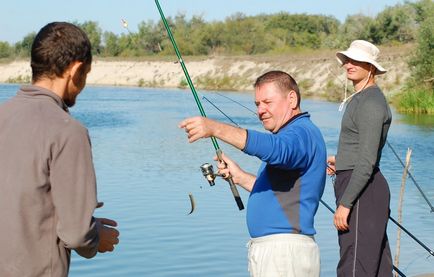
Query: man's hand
[
  {"x": 341, "y": 218},
  {"x": 201, "y": 127},
  {"x": 229, "y": 168},
  {"x": 108, "y": 236},
  {"x": 331, "y": 168},
  {"x": 197, "y": 127}
]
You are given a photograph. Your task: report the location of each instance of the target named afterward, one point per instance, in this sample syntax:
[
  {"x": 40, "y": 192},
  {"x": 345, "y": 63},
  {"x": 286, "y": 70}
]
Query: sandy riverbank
[{"x": 318, "y": 74}]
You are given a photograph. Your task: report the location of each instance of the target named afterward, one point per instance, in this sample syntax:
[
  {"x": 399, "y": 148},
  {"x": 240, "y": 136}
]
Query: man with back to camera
[
  {"x": 285, "y": 193},
  {"x": 47, "y": 178}
]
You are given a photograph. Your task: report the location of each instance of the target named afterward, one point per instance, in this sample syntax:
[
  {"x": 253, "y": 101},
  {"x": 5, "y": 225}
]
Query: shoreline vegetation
[{"x": 317, "y": 72}]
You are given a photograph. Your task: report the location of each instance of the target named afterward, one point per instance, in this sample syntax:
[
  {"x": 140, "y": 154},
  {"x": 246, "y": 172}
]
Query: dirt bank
[{"x": 317, "y": 73}]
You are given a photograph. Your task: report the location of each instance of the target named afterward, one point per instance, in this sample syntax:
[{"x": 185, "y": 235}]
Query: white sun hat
[{"x": 362, "y": 51}]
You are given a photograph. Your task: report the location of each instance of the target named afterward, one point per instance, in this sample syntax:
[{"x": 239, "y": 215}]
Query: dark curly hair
[{"x": 55, "y": 47}]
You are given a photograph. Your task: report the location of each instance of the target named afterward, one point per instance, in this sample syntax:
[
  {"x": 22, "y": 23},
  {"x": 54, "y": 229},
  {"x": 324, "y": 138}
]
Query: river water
[{"x": 146, "y": 168}]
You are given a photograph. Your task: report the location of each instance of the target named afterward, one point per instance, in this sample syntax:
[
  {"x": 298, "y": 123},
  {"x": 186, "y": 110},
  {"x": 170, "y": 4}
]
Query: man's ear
[
  {"x": 293, "y": 99},
  {"x": 75, "y": 69}
]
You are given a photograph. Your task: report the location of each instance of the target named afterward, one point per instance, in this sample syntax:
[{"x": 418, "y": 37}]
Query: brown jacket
[{"x": 47, "y": 186}]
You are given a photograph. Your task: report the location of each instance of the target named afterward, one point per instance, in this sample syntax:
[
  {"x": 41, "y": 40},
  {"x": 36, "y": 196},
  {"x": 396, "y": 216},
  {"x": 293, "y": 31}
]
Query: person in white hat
[{"x": 362, "y": 192}]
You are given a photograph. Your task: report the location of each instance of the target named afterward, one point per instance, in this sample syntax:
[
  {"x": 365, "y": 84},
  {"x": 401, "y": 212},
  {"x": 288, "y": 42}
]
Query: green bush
[
  {"x": 5, "y": 50},
  {"x": 416, "y": 101},
  {"x": 183, "y": 83},
  {"x": 418, "y": 95},
  {"x": 19, "y": 80}
]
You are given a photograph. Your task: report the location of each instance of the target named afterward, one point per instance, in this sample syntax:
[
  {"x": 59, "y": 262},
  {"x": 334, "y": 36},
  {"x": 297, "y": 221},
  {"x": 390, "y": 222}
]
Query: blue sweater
[{"x": 290, "y": 181}]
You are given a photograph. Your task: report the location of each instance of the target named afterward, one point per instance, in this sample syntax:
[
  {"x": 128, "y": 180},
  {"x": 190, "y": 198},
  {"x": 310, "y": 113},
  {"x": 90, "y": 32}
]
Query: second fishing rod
[{"x": 206, "y": 169}]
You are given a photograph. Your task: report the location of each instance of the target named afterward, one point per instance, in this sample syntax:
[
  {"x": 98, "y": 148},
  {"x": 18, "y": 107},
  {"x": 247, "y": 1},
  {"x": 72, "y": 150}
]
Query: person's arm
[
  {"x": 73, "y": 188},
  {"x": 331, "y": 165},
  {"x": 228, "y": 167},
  {"x": 285, "y": 149},
  {"x": 108, "y": 236},
  {"x": 202, "y": 127}
]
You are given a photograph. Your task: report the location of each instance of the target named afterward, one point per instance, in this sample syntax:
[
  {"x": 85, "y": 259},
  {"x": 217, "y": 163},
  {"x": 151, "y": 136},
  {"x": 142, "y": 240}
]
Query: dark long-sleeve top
[
  {"x": 47, "y": 186},
  {"x": 364, "y": 129}
]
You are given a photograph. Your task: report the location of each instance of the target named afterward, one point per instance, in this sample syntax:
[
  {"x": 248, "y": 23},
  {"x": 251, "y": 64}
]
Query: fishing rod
[
  {"x": 431, "y": 252},
  {"x": 411, "y": 176},
  {"x": 219, "y": 152},
  {"x": 332, "y": 211}
]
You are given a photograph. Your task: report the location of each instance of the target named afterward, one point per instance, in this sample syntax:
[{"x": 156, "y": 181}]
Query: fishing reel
[{"x": 208, "y": 173}]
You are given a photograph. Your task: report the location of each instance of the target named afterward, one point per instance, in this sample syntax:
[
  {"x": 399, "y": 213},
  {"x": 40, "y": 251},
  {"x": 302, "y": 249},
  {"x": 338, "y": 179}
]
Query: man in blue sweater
[{"x": 286, "y": 191}]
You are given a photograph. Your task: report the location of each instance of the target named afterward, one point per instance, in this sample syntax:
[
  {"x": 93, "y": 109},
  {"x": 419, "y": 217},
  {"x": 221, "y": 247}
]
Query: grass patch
[
  {"x": 305, "y": 86},
  {"x": 19, "y": 80},
  {"x": 224, "y": 82},
  {"x": 183, "y": 83},
  {"x": 333, "y": 91},
  {"x": 415, "y": 101}
]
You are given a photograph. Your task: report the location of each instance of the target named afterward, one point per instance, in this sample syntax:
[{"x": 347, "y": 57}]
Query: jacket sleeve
[
  {"x": 285, "y": 149},
  {"x": 73, "y": 186}
]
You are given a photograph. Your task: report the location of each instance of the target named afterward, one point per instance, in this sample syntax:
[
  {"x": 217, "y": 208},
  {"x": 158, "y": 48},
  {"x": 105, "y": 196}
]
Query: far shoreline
[{"x": 317, "y": 72}]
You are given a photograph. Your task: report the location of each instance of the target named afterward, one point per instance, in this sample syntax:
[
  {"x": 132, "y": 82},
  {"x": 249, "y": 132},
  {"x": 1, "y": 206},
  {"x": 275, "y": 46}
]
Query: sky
[{"x": 21, "y": 17}]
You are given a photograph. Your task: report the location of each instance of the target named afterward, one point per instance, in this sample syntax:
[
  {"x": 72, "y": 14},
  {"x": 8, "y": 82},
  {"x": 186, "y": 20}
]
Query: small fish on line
[{"x": 193, "y": 204}]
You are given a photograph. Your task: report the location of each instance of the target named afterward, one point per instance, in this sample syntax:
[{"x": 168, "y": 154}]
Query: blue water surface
[{"x": 146, "y": 168}]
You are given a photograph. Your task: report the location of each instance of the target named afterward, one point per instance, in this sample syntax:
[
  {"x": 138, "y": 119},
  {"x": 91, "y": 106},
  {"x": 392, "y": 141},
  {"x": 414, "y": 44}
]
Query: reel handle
[{"x": 231, "y": 184}]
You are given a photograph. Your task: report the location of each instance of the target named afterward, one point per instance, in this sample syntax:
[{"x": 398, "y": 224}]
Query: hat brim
[{"x": 343, "y": 55}]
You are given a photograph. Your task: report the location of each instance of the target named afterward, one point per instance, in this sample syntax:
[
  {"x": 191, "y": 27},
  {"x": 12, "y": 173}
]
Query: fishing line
[
  {"x": 222, "y": 112},
  {"x": 431, "y": 252},
  {"x": 411, "y": 176},
  {"x": 247, "y": 108},
  {"x": 199, "y": 105}
]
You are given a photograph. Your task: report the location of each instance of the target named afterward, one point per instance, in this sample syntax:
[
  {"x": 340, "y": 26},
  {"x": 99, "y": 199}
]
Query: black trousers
[{"x": 364, "y": 248}]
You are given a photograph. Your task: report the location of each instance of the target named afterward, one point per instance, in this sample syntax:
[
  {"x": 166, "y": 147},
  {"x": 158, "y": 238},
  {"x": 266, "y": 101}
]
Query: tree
[
  {"x": 395, "y": 24},
  {"x": 243, "y": 35},
  {"x": 94, "y": 33},
  {"x": 300, "y": 30},
  {"x": 5, "y": 50},
  {"x": 111, "y": 45},
  {"x": 356, "y": 26},
  {"x": 422, "y": 62},
  {"x": 150, "y": 36},
  {"x": 24, "y": 47}
]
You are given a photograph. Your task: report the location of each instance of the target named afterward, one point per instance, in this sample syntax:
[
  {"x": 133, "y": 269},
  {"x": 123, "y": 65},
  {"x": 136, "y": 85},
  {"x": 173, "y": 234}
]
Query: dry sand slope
[{"x": 317, "y": 73}]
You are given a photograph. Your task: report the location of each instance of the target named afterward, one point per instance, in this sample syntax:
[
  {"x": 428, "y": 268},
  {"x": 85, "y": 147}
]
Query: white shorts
[{"x": 284, "y": 255}]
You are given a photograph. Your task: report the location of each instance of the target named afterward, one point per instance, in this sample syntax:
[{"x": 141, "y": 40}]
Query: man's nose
[{"x": 260, "y": 109}]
